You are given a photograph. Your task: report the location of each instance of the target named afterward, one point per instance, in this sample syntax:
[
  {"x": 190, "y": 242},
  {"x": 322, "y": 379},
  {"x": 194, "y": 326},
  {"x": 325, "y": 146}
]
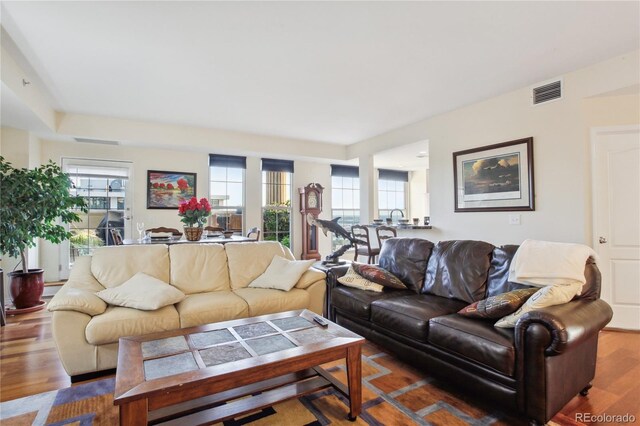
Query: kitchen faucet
[{"x": 395, "y": 210}]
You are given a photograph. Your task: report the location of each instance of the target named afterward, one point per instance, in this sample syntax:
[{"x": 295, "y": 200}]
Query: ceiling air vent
[
  {"x": 102, "y": 142},
  {"x": 547, "y": 92}
]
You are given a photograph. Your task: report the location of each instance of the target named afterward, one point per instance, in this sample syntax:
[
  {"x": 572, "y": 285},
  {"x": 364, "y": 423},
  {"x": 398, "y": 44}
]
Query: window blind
[
  {"x": 394, "y": 175},
  {"x": 233, "y": 161},
  {"x": 272, "y": 165},
  {"x": 344, "y": 171}
]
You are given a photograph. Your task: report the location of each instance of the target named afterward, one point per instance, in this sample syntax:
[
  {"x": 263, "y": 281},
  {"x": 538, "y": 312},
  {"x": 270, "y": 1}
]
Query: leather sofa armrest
[
  {"x": 568, "y": 324},
  {"x": 333, "y": 274},
  {"x": 79, "y": 300},
  {"x": 310, "y": 277}
]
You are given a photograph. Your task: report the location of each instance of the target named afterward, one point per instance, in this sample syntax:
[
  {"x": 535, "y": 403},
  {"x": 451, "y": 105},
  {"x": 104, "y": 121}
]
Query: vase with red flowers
[{"x": 194, "y": 215}]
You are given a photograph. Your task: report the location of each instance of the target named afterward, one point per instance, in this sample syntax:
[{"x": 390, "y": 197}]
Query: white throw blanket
[{"x": 544, "y": 263}]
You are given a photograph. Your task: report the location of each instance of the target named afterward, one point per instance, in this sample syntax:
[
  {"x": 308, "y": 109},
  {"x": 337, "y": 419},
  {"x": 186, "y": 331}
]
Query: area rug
[{"x": 393, "y": 394}]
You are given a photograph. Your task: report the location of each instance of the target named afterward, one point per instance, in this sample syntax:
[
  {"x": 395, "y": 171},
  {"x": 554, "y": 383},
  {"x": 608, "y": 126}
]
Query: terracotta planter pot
[
  {"x": 26, "y": 288},
  {"x": 193, "y": 233}
]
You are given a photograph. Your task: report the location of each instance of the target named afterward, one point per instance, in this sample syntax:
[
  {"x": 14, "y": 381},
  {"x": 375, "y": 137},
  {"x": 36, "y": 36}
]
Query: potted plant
[
  {"x": 194, "y": 215},
  {"x": 31, "y": 203}
]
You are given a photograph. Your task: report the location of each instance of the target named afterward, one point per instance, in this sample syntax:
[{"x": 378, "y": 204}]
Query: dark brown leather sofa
[{"x": 531, "y": 371}]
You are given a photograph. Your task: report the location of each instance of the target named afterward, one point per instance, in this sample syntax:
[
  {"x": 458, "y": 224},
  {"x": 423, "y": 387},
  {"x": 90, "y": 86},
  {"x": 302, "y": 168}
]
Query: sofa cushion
[
  {"x": 458, "y": 269},
  {"x": 378, "y": 275},
  {"x": 355, "y": 280},
  {"x": 498, "y": 279},
  {"x": 546, "y": 296},
  {"x": 198, "y": 268},
  {"x": 142, "y": 292},
  {"x": 282, "y": 274},
  {"x": 358, "y": 302},
  {"x": 499, "y": 305},
  {"x": 247, "y": 261},
  {"x": 215, "y": 306},
  {"x": 118, "y": 322},
  {"x": 409, "y": 315},
  {"x": 114, "y": 265},
  {"x": 267, "y": 301},
  {"x": 406, "y": 258},
  {"x": 475, "y": 340}
]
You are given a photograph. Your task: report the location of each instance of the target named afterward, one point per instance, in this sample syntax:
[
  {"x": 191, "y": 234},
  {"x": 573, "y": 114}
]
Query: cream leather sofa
[{"x": 214, "y": 277}]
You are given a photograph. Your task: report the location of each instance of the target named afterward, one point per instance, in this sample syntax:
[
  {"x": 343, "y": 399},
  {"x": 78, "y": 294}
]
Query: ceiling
[{"x": 337, "y": 72}]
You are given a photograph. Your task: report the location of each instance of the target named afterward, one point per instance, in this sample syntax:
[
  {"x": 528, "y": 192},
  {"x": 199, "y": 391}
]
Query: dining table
[{"x": 181, "y": 240}]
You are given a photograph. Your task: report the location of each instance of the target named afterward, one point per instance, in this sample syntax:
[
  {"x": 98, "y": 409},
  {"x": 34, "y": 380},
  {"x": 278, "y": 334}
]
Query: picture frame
[
  {"x": 166, "y": 189},
  {"x": 495, "y": 177}
]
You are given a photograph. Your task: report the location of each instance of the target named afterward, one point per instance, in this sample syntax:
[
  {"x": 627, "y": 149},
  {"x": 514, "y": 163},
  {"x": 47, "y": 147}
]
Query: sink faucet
[{"x": 395, "y": 210}]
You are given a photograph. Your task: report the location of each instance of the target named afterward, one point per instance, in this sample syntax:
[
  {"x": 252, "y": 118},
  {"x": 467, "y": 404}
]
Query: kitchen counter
[{"x": 402, "y": 226}]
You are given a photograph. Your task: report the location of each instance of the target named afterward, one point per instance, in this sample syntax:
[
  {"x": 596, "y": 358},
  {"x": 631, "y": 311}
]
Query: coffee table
[{"x": 185, "y": 376}]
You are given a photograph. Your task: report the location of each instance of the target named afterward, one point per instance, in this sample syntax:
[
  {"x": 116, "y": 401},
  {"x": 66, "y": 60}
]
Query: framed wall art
[
  {"x": 495, "y": 177},
  {"x": 165, "y": 190}
]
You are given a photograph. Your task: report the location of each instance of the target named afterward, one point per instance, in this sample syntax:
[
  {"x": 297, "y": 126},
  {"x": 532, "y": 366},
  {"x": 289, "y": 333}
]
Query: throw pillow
[
  {"x": 546, "y": 296},
  {"x": 499, "y": 305},
  {"x": 378, "y": 275},
  {"x": 142, "y": 292},
  {"x": 352, "y": 279},
  {"x": 282, "y": 274}
]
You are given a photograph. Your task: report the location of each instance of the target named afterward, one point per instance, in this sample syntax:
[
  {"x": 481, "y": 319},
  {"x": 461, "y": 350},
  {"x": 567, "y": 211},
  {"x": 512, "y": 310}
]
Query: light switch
[{"x": 514, "y": 219}]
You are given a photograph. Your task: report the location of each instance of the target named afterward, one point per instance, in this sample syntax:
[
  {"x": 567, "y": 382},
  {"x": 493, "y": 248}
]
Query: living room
[{"x": 320, "y": 85}]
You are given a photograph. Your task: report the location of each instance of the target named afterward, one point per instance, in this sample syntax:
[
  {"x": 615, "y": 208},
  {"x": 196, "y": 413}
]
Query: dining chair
[
  {"x": 384, "y": 233},
  {"x": 363, "y": 243},
  {"x": 173, "y": 231},
  {"x": 116, "y": 238},
  {"x": 214, "y": 228},
  {"x": 254, "y": 233}
]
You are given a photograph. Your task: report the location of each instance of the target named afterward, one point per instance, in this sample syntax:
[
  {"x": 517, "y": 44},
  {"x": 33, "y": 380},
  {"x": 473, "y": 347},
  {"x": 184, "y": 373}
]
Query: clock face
[{"x": 312, "y": 200}]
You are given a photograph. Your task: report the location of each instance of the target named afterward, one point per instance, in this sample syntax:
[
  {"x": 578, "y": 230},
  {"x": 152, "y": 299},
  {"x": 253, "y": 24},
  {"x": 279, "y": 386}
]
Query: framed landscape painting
[
  {"x": 495, "y": 177},
  {"x": 165, "y": 190}
]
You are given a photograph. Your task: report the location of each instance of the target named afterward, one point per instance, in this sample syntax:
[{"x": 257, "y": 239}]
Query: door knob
[{"x": 602, "y": 240}]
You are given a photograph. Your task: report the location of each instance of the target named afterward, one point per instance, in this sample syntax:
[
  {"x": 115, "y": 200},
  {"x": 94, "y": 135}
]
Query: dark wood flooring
[{"x": 29, "y": 365}]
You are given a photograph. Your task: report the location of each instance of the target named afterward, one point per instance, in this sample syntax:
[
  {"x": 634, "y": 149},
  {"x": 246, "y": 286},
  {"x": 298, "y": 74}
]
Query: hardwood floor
[{"x": 29, "y": 365}]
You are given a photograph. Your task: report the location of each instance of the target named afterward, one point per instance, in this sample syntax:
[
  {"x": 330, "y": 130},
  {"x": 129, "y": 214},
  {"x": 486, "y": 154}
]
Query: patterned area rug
[{"x": 393, "y": 394}]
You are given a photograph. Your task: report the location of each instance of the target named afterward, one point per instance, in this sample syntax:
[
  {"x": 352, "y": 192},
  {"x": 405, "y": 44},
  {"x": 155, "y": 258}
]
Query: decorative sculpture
[{"x": 334, "y": 227}]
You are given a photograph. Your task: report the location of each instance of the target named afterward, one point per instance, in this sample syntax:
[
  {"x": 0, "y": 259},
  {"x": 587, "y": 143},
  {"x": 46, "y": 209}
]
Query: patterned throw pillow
[
  {"x": 499, "y": 305},
  {"x": 378, "y": 275},
  {"x": 352, "y": 279}
]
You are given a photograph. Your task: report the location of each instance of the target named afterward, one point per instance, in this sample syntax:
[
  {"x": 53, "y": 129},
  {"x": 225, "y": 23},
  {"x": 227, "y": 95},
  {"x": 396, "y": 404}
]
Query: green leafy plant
[{"x": 31, "y": 203}]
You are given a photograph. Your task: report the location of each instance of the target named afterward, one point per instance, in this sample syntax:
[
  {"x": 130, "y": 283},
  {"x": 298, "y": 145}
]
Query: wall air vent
[
  {"x": 547, "y": 92},
  {"x": 99, "y": 141}
]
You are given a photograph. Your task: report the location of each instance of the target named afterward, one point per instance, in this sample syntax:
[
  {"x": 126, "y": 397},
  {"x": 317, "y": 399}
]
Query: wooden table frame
[{"x": 194, "y": 397}]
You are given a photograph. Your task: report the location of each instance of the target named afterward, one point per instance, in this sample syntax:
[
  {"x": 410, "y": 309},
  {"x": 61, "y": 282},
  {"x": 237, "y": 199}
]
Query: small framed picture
[
  {"x": 495, "y": 177},
  {"x": 165, "y": 190}
]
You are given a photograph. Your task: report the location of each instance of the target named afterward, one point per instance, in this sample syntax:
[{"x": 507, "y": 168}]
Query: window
[
  {"x": 392, "y": 190},
  {"x": 226, "y": 191},
  {"x": 103, "y": 186},
  {"x": 345, "y": 199},
  {"x": 277, "y": 176}
]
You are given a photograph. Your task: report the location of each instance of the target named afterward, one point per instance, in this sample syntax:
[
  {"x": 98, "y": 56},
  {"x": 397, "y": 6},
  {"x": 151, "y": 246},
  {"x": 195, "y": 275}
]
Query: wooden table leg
[
  {"x": 354, "y": 377},
  {"x": 134, "y": 413}
]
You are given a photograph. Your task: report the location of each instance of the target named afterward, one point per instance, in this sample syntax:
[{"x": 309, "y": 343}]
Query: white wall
[
  {"x": 561, "y": 153},
  {"x": 418, "y": 195}
]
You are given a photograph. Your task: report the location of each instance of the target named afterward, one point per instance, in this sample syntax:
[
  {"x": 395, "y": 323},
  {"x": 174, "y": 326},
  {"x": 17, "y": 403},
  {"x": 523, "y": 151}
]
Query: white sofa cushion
[
  {"x": 282, "y": 274},
  {"x": 263, "y": 301},
  {"x": 215, "y": 306},
  {"x": 546, "y": 296},
  {"x": 247, "y": 261},
  {"x": 117, "y": 322},
  {"x": 114, "y": 265},
  {"x": 197, "y": 268},
  {"x": 142, "y": 292}
]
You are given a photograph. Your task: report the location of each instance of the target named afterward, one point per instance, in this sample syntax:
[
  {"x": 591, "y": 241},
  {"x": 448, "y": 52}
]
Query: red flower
[
  {"x": 194, "y": 212},
  {"x": 169, "y": 186},
  {"x": 182, "y": 184},
  {"x": 155, "y": 185},
  {"x": 162, "y": 186}
]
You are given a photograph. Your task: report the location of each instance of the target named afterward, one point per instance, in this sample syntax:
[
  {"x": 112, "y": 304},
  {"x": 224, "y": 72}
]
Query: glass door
[{"x": 105, "y": 186}]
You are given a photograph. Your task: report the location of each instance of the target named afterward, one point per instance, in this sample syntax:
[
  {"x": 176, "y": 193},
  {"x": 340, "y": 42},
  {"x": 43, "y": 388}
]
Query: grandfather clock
[{"x": 310, "y": 203}]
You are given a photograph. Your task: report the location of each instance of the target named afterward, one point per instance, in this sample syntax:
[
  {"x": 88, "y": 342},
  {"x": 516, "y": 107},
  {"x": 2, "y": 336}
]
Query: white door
[
  {"x": 616, "y": 214},
  {"x": 105, "y": 186}
]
